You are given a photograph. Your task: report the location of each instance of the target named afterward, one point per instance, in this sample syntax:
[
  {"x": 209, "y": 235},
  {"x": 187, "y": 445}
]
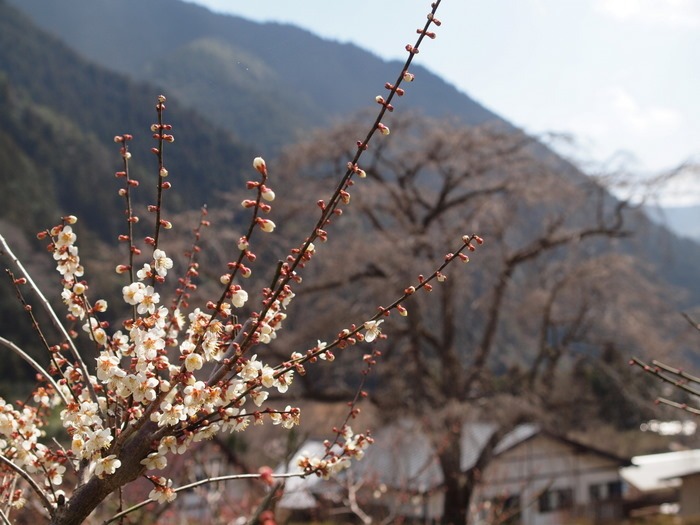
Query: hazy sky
[{"x": 622, "y": 76}]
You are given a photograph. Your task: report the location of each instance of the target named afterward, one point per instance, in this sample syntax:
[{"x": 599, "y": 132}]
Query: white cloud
[{"x": 676, "y": 13}]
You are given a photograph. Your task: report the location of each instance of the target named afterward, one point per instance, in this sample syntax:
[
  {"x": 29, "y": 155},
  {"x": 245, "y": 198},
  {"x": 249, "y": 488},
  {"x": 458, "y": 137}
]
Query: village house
[
  {"x": 540, "y": 478},
  {"x": 534, "y": 478},
  {"x": 665, "y": 483}
]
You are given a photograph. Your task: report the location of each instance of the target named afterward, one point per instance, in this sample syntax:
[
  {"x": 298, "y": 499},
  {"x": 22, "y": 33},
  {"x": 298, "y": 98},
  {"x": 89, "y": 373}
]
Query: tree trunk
[
  {"x": 88, "y": 496},
  {"x": 459, "y": 485},
  {"x": 456, "y": 497}
]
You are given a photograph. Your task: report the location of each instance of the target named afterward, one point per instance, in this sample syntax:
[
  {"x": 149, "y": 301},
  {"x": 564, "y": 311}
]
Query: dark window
[
  {"x": 556, "y": 499},
  {"x": 606, "y": 491}
]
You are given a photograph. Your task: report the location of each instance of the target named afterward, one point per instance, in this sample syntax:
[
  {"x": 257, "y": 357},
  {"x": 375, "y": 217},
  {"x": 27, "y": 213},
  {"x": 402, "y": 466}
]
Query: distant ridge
[
  {"x": 266, "y": 83},
  {"x": 279, "y": 75},
  {"x": 60, "y": 113}
]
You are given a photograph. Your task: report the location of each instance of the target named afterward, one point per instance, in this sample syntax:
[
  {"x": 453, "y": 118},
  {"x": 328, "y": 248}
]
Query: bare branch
[
  {"x": 36, "y": 366},
  {"x": 33, "y": 484}
]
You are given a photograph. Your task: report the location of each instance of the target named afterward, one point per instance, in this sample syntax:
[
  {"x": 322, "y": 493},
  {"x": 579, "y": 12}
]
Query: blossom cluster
[
  {"x": 337, "y": 456},
  {"x": 174, "y": 376}
]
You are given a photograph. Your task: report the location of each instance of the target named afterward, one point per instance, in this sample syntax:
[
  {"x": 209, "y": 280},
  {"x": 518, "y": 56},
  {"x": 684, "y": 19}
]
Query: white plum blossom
[
  {"x": 251, "y": 369},
  {"x": 193, "y": 362},
  {"x": 66, "y": 237},
  {"x": 163, "y": 491},
  {"x": 144, "y": 273},
  {"x": 169, "y": 414},
  {"x": 108, "y": 367},
  {"x": 68, "y": 263},
  {"x": 148, "y": 302},
  {"x": 161, "y": 262},
  {"x": 284, "y": 380},
  {"x": 155, "y": 461},
  {"x": 107, "y": 466},
  {"x": 239, "y": 297},
  {"x": 373, "y": 330},
  {"x": 133, "y": 293},
  {"x": 95, "y": 332},
  {"x": 287, "y": 418},
  {"x": 173, "y": 445},
  {"x": 259, "y": 396},
  {"x": 267, "y": 376},
  {"x": 74, "y": 303}
]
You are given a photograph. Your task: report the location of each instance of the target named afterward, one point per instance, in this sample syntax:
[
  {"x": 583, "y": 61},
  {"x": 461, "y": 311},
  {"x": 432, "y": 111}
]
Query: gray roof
[
  {"x": 659, "y": 471},
  {"x": 387, "y": 461},
  {"x": 403, "y": 457}
]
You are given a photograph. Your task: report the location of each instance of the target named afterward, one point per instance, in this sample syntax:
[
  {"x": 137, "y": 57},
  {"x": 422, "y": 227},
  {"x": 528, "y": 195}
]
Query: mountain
[
  {"x": 268, "y": 83},
  {"x": 265, "y": 83},
  {"x": 684, "y": 221},
  {"x": 59, "y": 115},
  {"x": 73, "y": 73}
]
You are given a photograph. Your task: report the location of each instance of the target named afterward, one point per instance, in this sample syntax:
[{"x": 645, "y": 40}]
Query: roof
[
  {"x": 659, "y": 471},
  {"x": 387, "y": 461},
  {"x": 403, "y": 457},
  {"x": 299, "y": 492}
]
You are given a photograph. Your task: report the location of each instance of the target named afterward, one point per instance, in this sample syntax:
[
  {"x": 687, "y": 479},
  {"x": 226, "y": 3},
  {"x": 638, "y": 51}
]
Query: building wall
[
  {"x": 553, "y": 480},
  {"x": 690, "y": 497}
]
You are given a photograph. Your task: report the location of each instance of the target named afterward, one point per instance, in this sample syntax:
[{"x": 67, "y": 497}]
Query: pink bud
[{"x": 384, "y": 130}]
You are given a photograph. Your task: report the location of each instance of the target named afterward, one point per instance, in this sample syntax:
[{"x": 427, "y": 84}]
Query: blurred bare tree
[{"x": 549, "y": 318}]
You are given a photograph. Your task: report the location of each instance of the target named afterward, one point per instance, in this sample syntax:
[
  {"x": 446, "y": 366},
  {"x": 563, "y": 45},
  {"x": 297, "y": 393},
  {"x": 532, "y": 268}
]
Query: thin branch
[
  {"x": 36, "y": 366},
  {"x": 692, "y": 321},
  {"x": 230, "y": 477},
  {"x": 655, "y": 370},
  {"x": 676, "y": 372},
  {"x": 681, "y": 406},
  {"x": 54, "y": 317},
  {"x": 33, "y": 484}
]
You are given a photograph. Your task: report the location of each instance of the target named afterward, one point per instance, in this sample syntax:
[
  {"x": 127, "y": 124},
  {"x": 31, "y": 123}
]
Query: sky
[{"x": 620, "y": 77}]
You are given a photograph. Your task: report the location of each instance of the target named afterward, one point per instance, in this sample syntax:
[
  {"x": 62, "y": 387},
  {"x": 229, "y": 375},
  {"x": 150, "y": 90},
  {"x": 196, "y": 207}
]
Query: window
[
  {"x": 611, "y": 490},
  {"x": 556, "y": 499}
]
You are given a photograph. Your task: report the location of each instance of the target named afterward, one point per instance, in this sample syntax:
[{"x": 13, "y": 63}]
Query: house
[
  {"x": 539, "y": 478},
  {"x": 665, "y": 482},
  {"x": 399, "y": 476},
  {"x": 533, "y": 478}
]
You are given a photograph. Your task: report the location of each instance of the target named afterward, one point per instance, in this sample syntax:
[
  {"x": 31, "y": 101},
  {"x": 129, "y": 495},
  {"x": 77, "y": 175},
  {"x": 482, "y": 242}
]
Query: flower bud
[
  {"x": 260, "y": 166},
  {"x": 100, "y": 305},
  {"x": 266, "y": 225}
]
